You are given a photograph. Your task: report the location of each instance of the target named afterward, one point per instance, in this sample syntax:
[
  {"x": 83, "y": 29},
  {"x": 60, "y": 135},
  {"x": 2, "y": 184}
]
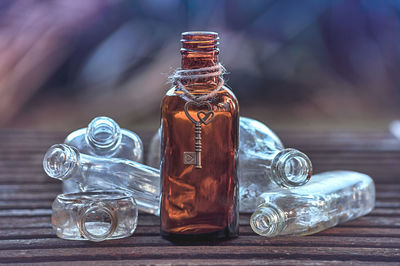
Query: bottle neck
[
  {"x": 61, "y": 161},
  {"x": 268, "y": 220},
  {"x": 199, "y": 50},
  {"x": 291, "y": 168},
  {"x": 103, "y": 134}
]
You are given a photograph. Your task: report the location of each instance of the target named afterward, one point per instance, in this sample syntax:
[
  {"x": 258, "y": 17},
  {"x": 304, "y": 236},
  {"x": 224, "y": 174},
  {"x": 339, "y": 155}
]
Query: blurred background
[{"x": 292, "y": 64}]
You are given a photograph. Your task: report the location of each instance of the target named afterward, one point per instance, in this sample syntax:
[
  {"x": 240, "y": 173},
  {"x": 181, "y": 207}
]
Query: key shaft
[{"x": 197, "y": 132}]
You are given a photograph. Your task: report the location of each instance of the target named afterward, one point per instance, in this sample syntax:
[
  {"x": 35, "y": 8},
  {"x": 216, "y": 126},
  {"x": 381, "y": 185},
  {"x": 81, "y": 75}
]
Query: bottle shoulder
[
  {"x": 175, "y": 91},
  {"x": 77, "y": 139},
  {"x": 130, "y": 146},
  {"x": 288, "y": 199},
  {"x": 224, "y": 100},
  {"x": 76, "y": 136},
  {"x": 131, "y": 138}
]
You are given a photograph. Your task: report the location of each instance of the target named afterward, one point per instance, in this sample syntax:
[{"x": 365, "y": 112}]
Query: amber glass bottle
[{"x": 199, "y": 190}]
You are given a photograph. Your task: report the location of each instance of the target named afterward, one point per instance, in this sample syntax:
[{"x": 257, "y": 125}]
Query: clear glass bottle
[
  {"x": 199, "y": 200},
  {"x": 263, "y": 162},
  {"x": 103, "y": 137},
  {"x": 92, "y": 173},
  {"x": 154, "y": 155},
  {"x": 328, "y": 199},
  {"x": 94, "y": 216}
]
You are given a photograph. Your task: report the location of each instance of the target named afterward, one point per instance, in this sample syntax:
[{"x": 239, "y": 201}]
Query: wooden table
[{"x": 26, "y": 196}]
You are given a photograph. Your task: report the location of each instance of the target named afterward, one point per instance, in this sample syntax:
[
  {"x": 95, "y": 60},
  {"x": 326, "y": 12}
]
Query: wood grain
[{"x": 26, "y": 195}]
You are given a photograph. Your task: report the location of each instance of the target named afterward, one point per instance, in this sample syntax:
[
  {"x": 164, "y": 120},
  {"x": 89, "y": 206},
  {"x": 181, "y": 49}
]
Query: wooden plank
[
  {"x": 26, "y": 222},
  {"x": 25, "y": 213},
  {"x": 238, "y": 261},
  {"x": 30, "y": 187},
  {"x": 43, "y": 208},
  {"x": 24, "y": 208},
  {"x": 360, "y": 231},
  {"x": 385, "y": 212},
  {"x": 246, "y": 240},
  {"x": 145, "y": 230},
  {"x": 200, "y": 252},
  {"x": 28, "y": 196},
  {"x": 25, "y": 204},
  {"x": 40, "y": 221},
  {"x": 26, "y": 234}
]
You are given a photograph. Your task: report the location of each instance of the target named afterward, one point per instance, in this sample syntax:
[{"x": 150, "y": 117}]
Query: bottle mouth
[
  {"x": 199, "y": 36},
  {"x": 200, "y": 42},
  {"x": 104, "y": 219},
  {"x": 267, "y": 221},
  {"x": 60, "y": 161},
  {"x": 291, "y": 168},
  {"x": 103, "y": 133}
]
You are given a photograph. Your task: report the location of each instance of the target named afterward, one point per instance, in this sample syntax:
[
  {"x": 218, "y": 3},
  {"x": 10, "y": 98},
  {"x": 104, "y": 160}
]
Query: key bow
[{"x": 204, "y": 116}]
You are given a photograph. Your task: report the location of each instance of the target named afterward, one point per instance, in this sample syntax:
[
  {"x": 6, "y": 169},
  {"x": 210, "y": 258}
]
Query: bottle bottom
[{"x": 222, "y": 234}]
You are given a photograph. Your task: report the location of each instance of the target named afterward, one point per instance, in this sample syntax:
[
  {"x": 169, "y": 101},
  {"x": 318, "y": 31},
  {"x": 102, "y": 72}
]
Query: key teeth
[{"x": 197, "y": 145}]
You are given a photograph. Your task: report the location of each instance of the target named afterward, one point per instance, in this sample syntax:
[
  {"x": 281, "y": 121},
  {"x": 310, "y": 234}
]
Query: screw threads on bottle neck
[
  {"x": 267, "y": 220},
  {"x": 199, "y": 49},
  {"x": 291, "y": 168}
]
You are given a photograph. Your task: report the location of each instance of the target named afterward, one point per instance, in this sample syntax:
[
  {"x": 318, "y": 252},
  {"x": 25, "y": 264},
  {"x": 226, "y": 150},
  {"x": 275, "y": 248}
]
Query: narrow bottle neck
[
  {"x": 199, "y": 50},
  {"x": 61, "y": 161},
  {"x": 291, "y": 168},
  {"x": 103, "y": 134},
  {"x": 194, "y": 59},
  {"x": 268, "y": 220}
]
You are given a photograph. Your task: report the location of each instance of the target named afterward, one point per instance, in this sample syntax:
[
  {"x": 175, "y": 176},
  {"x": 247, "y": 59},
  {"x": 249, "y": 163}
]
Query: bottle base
[{"x": 223, "y": 234}]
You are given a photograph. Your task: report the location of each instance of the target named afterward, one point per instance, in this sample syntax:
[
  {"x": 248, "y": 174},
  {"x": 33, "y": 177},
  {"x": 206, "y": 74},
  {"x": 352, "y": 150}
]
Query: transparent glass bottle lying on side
[
  {"x": 103, "y": 137},
  {"x": 94, "y": 216},
  {"x": 264, "y": 163},
  {"x": 91, "y": 173},
  {"x": 329, "y": 199}
]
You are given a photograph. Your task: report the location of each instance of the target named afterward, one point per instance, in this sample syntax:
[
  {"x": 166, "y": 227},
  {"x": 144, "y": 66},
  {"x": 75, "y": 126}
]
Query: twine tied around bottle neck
[{"x": 199, "y": 73}]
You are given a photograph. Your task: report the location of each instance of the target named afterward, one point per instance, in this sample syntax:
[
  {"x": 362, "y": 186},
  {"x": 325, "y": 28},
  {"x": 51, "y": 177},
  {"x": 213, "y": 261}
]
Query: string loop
[{"x": 199, "y": 73}]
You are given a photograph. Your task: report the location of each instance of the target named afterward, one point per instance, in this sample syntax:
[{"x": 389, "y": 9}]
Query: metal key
[{"x": 204, "y": 117}]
